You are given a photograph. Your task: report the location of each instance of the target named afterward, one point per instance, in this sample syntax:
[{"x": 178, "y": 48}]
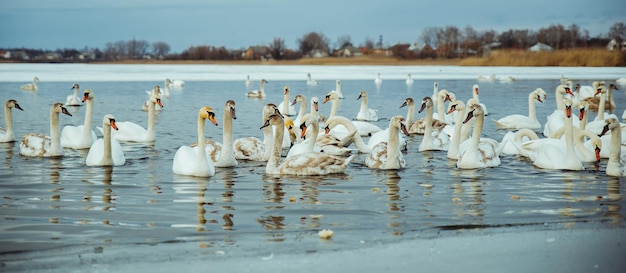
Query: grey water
[{"x": 59, "y": 207}]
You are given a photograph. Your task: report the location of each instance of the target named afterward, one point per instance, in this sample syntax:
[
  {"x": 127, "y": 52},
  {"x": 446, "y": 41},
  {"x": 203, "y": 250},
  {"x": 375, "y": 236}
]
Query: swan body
[
  {"x": 285, "y": 107},
  {"x": 223, "y": 154},
  {"x": 507, "y": 145},
  {"x": 248, "y": 82},
  {"x": 133, "y": 132},
  {"x": 106, "y": 151},
  {"x": 311, "y": 82},
  {"x": 554, "y": 121},
  {"x": 252, "y": 148},
  {"x": 409, "y": 80},
  {"x": 176, "y": 83},
  {"x": 433, "y": 140},
  {"x": 260, "y": 93},
  {"x": 195, "y": 161},
  {"x": 387, "y": 155},
  {"x": 81, "y": 136},
  {"x": 365, "y": 113},
  {"x": 616, "y": 166},
  {"x": 40, "y": 145},
  {"x": 310, "y": 163},
  {"x": 517, "y": 121},
  {"x": 7, "y": 134},
  {"x": 73, "y": 100},
  {"x": 31, "y": 86},
  {"x": 477, "y": 152}
]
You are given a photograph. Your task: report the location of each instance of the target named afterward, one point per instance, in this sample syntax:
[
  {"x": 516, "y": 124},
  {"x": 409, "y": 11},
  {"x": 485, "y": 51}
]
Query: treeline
[{"x": 433, "y": 42}]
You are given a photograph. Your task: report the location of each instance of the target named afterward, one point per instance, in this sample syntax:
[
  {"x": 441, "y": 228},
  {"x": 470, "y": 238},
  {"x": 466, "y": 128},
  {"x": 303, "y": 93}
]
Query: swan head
[
  {"x": 600, "y": 90},
  {"x": 35, "y": 79},
  {"x": 332, "y": 95},
  {"x": 609, "y": 124},
  {"x": 59, "y": 108},
  {"x": 13, "y": 104},
  {"x": 156, "y": 90},
  {"x": 109, "y": 120},
  {"x": 207, "y": 113},
  {"x": 269, "y": 109},
  {"x": 87, "y": 95},
  {"x": 568, "y": 108},
  {"x": 362, "y": 94},
  {"x": 596, "y": 143},
  {"x": 444, "y": 95},
  {"x": 456, "y": 105},
  {"x": 286, "y": 90},
  {"x": 398, "y": 122},
  {"x": 408, "y": 102},
  {"x": 613, "y": 87},
  {"x": 475, "y": 89},
  {"x": 582, "y": 108},
  {"x": 273, "y": 119},
  {"x": 540, "y": 94},
  {"x": 75, "y": 86},
  {"x": 315, "y": 101},
  {"x": 435, "y": 85},
  {"x": 296, "y": 99},
  {"x": 561, "y": 89},
  {"x": 426, "y": 102},
  {"x": 229, "y": 108},
  {"x": 474, "y": 111},
  {"x": 263, "y": 81},
  {"x": 338, "y": 82}
]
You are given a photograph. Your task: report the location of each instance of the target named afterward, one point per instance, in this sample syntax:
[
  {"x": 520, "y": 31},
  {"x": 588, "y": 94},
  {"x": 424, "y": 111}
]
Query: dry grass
[{"x": 573, "y": 57}]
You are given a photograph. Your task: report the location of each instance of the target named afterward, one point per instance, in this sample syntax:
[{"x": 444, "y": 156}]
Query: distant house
[
  {"x": 348, "y": 51},
  {"x": 423, "y": 50},
  {"x": 257, "y": 53},
  {"x": 613, "y": 44},
  {"x": 5, "y": 54},
  {"x": 540, "y": 47},
  {"x": 317, "y": 53}
]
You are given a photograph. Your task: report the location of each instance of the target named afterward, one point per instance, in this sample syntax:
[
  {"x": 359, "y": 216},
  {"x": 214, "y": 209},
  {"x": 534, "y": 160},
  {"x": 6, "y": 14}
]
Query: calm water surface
[{"x": 60, "y": 207}]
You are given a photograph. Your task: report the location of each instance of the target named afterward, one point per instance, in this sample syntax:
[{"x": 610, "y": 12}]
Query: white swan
[
  {"x": 387, "y": 155},
  {"x": 554, "y": 121},
  {"x": 549, "y": 153},
  {"x": 285, "y": 107},
  {"x": 338, "y": 89},
  {"x": 598, "y": 123},
  {"x": 260, "y": 93},
  {"x": 315, "y": 109},
  {"x": 418, "y": 126},
  {"x": 435, "y": 92},
  {"x": 133, "y": 132},
  {"x": 311, "y": 163},
  {"x": 490, "y": 78},
  {"x": 353, "y": 136},
  {"x": 453, "y": 149},
  {"x": 507, "y": 145},
  {"x": 195, "y": 161},
  {"x": 41, "y": 145},
  {"x": 31, "y": 86},
  {"x": 433, "y": 140},
  {"x": 477, "y": 98},
  {"x": 311, "y": 82},
  {"x": 81, "y": 136},
  {"x": 616, "y": 166},
  {"x": 146, "y": 105},
  {"x": 378, "y": 81},
  {"x": 7, "y": 134},
  {"x": 477, "y": 152},
  {"x": 226, "y": 157},
  {"x": 176, "y": 83},
  {"x": 314, "y": 141},
  {"x": 106, "y": 151},
  {"x": 409, "y": 80},
  {"x": 73, "y": 100},
  {"x": 365, "y": 113},
  {"x": 253, "y": 149},
  {"x": 248, "y": 82},
  {"x": 609, "y": 101},
  {"x": 517, "y": 121},
  {"x": 363, "y": 128}
]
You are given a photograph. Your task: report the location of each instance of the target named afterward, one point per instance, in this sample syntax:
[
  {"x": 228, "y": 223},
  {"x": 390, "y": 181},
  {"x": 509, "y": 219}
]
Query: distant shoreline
[{"x": 305, "y": 61}]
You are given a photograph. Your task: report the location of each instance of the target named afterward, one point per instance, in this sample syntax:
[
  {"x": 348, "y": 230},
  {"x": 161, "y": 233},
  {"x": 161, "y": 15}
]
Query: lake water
[{"x": 54, "y": 210}]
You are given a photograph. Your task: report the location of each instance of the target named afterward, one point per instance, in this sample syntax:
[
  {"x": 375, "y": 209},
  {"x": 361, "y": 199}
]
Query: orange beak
[
  {"x": 316, "y": 106},
  {"x": 597, "y": 153},
  {"x": 326, "y": 99},
  {"x": 212, "y": 119},
  {"x": 326, "y": 130},
  {"x": 158, "y": 101},
  {"x": 113, "y": 125},
  {"x": 303, "y": 130},
  {"x": 85, "y": 97}
]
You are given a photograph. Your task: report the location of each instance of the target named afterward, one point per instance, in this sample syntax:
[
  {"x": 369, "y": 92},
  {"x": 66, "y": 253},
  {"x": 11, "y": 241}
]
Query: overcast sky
[{"x": 52, "y": 24}]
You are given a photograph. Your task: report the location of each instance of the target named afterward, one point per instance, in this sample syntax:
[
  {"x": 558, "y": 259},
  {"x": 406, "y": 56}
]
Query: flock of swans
[{"x": 318, "y": 145}]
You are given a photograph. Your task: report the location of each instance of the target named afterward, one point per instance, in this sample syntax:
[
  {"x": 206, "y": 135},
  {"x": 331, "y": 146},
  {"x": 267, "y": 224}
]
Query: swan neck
[
  {"x": 273, "y": 161},
  {"x": 227, "y": 133},
  {"x": 286, "y": 102},
  {"x": 333, "y": 109},
  {"x": 409, "y": 115},
  {"x": 569, "y": 136},
  {"x": 363, "y": 108},
  {"x": 440, "y": 110},
  {"x": 453, "y": 150},
  {"x": 55, "y": 133},
  {"x": 393, "y": 149},
  {"x": 531, "y": 107},
  {"x": 107, "y": 158},
  {"x": 8, "y": 119},
  {"x": 616, "y": 150},
  {"x": 303, "y": 110},
  {"x": 151, "y": 111},
  {"x": 601, "y": 106},
  {"x": 559, "y": 101},
  {"x": 478, "y": 129},
  {"x": 88, "y": 117},
  {"x": 429, "y": 122},
  {"x": 201, "y": 141}
]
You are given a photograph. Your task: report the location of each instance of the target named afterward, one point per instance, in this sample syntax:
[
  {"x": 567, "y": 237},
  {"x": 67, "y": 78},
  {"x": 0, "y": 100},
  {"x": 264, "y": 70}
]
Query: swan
[
  {"x": 226, "y": 157},
  {"x": 506, "y": 145},
  {"x": 315, "y": 109},
  {"x": 303, "y": 105},
  {"x": 81, "y": 136},
  {"x": 366, "y": 114},
  {"x": 363, "y": 128},
  {"x": 253, "y": 149},
  {"x": 582, "y": 92},
  {"x": 31, "y": 86},
  {"x": 133, "y": 132},
  {"x": 146, "y": 105},
  {"x": 7, "y": 135},
  {"x": 106, "y": 151},
  {"x": 338, "y": 89},
  {"x": 453, "y": 149},
  {"x": 435, "y": 92},
  {"x": 598, "y": 123},
  {"x": 165, "y": 91},
  {"x": 433, "y": 140},
  {"x": 418, "y": 126},
  {"x": 285, "y": 107},
  {"x": 387, "y": 155},
  {"x": 443, "y": 96},
  {"x": 409, "y": 80},
  {"x": 517, "y": 121},
  {"x": 309, "y": 136},
  {"x": 477, "y": 152},
  {"x": 73, "y": 100},
  {"x": 41, "y": 145},
  {"x": 310, "y": 163},
  {"x": 609, "y": 101},
  {"x": 490, "y": 78},
  {"x": 361, "y": 146},
  {"x": 616, "y": 164},
  {"x": 507, "y": 79},
  {"x": 476, "y": 97},
  {"x": 550, "y": 153},
  {"x": 195, "y": 161},
  {"x": 311, "y": 82},
  {"x": 378, "y": 81},
  {"x": 621, "y": 81},
  {"x": 176, "y": 83},
  {"x": 248, "y": 82},
  {"x": 554, "y": 121},
  {"x": 260, "y": 93}
]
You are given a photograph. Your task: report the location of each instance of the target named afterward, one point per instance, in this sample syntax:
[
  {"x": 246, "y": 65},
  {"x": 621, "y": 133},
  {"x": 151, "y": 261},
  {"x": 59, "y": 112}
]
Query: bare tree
[
  {"x": 277, "y": 48},
  {"x": 618, "y": 32},
  {"x": 160, "y": 49},
  {"x": 429, "y": 36},
  {"x": 368, "y": 43},
  {"x": 313, "y": 41},
  {"x": 344, "y": 41}
]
